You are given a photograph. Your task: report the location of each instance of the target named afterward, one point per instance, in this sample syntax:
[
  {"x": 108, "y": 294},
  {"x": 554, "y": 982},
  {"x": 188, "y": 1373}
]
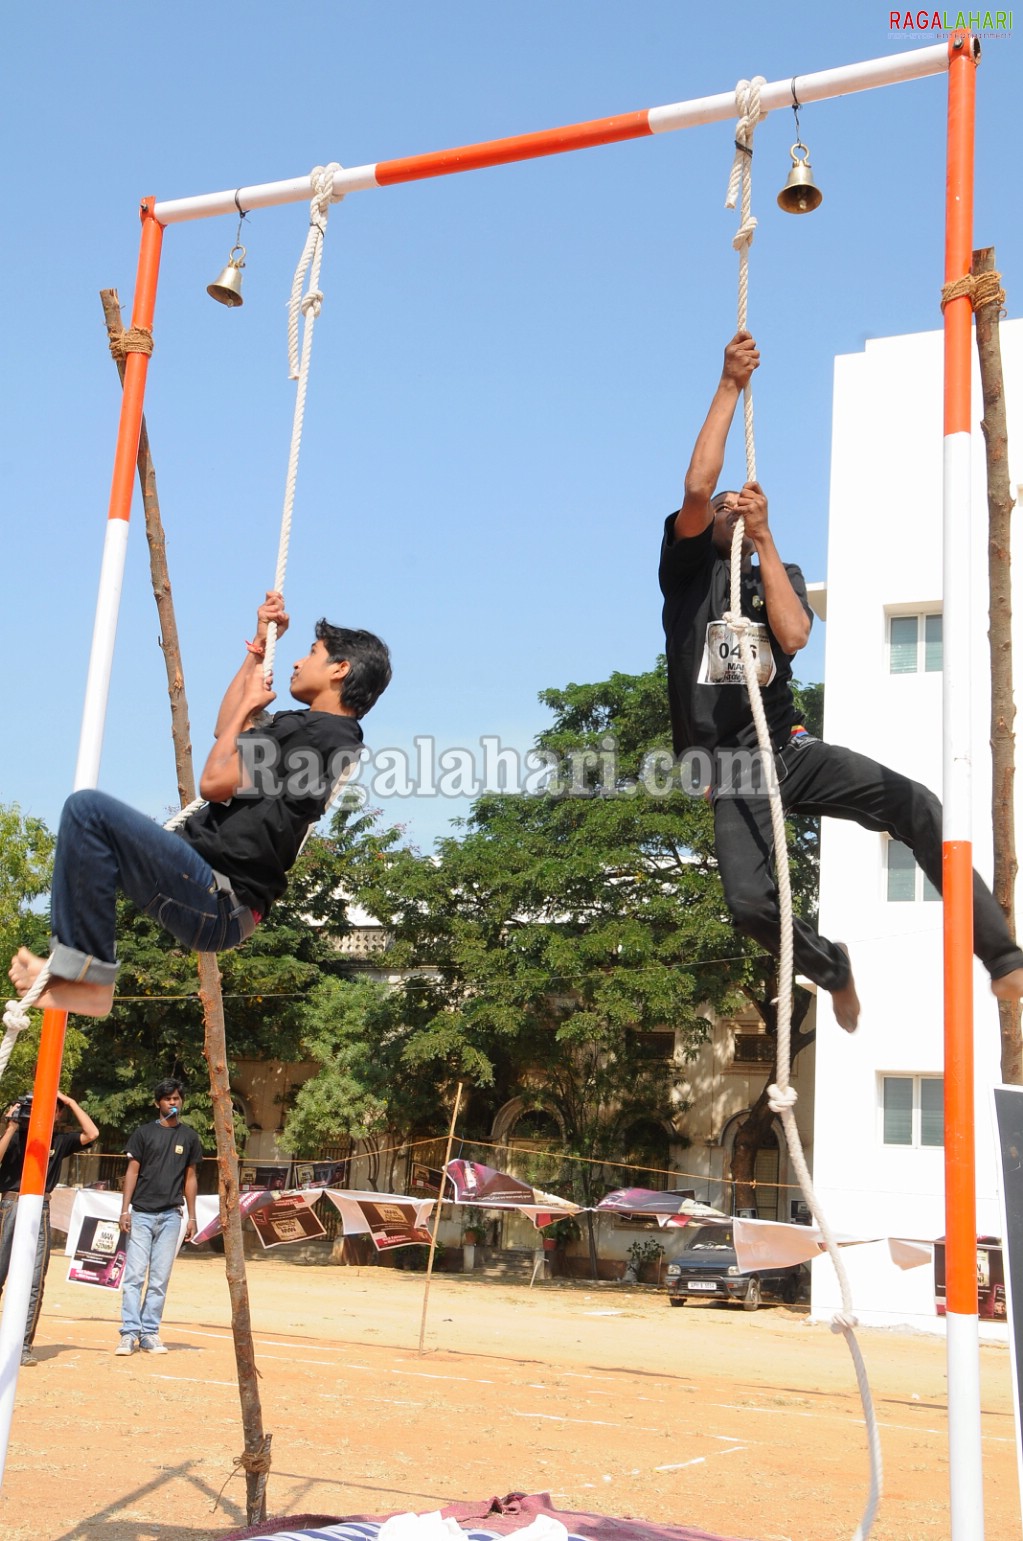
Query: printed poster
[{"x": 99, "y": 1253}]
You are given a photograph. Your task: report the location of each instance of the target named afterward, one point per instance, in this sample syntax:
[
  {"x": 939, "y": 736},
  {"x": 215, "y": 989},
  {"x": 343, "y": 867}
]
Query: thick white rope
[
  {"x": 781, "y": 1096},
  {"x": 16, "y": 1017},
  {"x": 307, "y": 305}
]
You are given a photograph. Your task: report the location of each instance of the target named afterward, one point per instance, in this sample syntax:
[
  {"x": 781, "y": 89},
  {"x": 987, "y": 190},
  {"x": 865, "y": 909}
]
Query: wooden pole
[
  {"x": 436, "y": 1213},
  {"x": 256, "y": 1458},
  {"x": 1003, "y": 706}
]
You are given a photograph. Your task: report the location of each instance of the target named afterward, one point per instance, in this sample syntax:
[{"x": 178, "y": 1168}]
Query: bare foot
[
  {"x": 1009, "y": 987},
  {"x": 845, "y": 1003},
  {"x": 78, "y": 995}
]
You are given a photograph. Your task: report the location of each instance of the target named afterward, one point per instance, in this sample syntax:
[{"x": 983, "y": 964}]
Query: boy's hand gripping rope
[{"x": 782, "y": 1097}]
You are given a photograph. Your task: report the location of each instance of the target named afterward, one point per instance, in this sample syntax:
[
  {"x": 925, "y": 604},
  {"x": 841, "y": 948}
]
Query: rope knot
[
  {"x": 747, "y": 105},
  {"x": 781, "y": 1099},
  {"x": 16, "y": 1017},
  {"x": 313, "y": 301},
  {"x": 743, "y": 237},
  {"x": 739, "y": 624},
  {"x": 844, "y": 1321}
]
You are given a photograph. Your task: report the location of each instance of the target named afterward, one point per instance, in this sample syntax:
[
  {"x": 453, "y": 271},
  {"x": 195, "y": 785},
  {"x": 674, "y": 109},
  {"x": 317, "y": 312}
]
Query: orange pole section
[
  {"x": 962, "y": 90},
  {"x": 136, "y": 366},
  {"x": 44, "y": 1102},
  {"x": 960, "y": 1160},
  {"x": 520, "y": 147}
]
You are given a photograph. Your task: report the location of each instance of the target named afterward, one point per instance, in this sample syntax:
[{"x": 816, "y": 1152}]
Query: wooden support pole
[
  {"x": 256, "y": 1458},
  {"x": 436, "y": 1214},
  {"x": 1000, "y": 503}
]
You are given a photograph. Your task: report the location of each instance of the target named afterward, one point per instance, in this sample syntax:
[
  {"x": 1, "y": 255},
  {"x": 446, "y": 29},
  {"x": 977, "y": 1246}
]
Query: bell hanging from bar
[
  {"x": 227, "y": 288},
  {"x": 800, "y": 195}
]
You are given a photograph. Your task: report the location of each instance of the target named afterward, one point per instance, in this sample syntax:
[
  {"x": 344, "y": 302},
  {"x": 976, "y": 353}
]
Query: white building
[{"x": 878, "y": 1156}]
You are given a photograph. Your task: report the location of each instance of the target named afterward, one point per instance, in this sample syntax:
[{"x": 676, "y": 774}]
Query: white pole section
[{"x": 891, "y": 70}]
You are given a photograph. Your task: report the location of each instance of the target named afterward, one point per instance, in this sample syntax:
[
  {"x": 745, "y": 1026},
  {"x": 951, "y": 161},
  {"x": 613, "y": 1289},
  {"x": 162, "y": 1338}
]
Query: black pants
[{"x": 819, "y": 778}]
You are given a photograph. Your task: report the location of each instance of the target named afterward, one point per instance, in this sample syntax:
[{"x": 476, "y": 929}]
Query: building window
[
  {"x": 912, "y": 1110},
  {"x": 905, "y": 882},
  {"x": 914, "y": 644}
]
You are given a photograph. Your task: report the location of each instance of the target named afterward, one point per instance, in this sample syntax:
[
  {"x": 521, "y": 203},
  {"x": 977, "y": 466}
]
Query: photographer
[{"x": 12, "y": 1159}]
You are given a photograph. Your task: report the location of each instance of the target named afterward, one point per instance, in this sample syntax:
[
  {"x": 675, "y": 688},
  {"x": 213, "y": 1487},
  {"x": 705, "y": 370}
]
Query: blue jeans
[
  {"x": 152, "y": 1247},
  {"x": 8, "y": 1215},
  {"x": 103, "y": 845}
]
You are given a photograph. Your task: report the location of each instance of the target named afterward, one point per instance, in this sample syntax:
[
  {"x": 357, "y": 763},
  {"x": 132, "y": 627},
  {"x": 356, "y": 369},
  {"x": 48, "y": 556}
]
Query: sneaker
[
  {"x": 128, "y": 1344},
  {"x": 150, "y": 1343},
  {"x": 27, "y": 1357}
]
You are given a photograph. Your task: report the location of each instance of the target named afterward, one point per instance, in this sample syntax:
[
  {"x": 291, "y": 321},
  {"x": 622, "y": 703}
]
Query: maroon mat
[{"x": 505, "y": 1515}]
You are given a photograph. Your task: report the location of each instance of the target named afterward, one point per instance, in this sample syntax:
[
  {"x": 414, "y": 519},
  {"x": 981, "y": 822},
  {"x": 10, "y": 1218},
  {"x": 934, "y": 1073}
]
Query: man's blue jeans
[
  {"x": 103, "y": 845},
  {"x": 152, "y": 1247}
]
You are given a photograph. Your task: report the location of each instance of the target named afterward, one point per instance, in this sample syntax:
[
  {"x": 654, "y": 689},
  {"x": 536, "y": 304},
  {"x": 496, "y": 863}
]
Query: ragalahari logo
[{"x": 980, "y": 23}]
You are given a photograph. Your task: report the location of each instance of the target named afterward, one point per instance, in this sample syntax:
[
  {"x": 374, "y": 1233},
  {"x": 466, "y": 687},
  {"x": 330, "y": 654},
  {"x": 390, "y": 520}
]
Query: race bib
[{"x": 722, "y": 663}]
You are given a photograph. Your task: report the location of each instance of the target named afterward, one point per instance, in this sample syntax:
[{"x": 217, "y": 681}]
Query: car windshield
[{"x": 710, "y": 1238}]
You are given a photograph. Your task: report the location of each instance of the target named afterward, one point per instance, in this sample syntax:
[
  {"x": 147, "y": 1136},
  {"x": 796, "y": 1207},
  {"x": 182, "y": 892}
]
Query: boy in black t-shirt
[
  {"x": 710, "y": 711},
  {"x": 211, "y": 882},
  {"x": 164, "y": 1157},
  {"x": 65, "y": 1142}
]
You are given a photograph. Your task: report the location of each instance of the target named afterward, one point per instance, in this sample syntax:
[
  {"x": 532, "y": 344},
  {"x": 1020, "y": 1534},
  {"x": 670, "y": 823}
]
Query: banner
[
  {"x": 487, "y": 1188},
  {"x": 667, "y": 1207},
  {"x": 288, "y": 1218},
  {"x": 273, "y": 1174},
  {"x": 390, "y": 1219},
  {"x": 319, "y": 1174},
  {"x": 248, "y": 1203}
]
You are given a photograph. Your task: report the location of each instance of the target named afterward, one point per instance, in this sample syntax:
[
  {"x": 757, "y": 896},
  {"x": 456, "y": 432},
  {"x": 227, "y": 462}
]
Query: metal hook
[{"x": 796, "y": 104}]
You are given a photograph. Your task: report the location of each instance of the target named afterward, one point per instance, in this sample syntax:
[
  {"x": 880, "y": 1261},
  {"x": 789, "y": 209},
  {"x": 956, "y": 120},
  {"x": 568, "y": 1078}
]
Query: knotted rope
[
  {"x": 16, "y": 1017},
  {"x": 308, "y": 306},
  {"x": 781, "y": 1096}
]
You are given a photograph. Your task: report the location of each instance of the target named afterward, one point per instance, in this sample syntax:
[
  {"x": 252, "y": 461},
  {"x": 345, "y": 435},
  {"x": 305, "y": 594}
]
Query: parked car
[{"x": 706, "y": 1268}]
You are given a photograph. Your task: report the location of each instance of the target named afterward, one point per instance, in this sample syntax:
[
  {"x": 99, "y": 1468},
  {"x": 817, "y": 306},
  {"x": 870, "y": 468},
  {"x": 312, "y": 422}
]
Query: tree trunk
[
  {"x": 256, "y": 1458},
  {"x": 1003, "y": 707},
  {"x": 757, "y": 1125}
]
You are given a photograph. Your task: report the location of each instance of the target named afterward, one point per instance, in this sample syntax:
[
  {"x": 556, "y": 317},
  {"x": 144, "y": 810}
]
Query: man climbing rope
[
  {"x": 210, "y": 882},
  {"x": 710, "y": 711}
]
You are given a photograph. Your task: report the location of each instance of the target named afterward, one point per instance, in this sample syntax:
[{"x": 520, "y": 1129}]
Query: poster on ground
[{"x": 98, "y": 1257}]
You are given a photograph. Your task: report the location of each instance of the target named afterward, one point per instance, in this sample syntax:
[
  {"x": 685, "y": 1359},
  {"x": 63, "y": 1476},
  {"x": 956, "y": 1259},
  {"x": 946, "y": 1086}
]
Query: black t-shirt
[
  {"x": 253, "y": 840},
  {"x": 707, "y": 693},
  {"x": 164, "y": 1154},
  {"x": 63, "y": 1144}
]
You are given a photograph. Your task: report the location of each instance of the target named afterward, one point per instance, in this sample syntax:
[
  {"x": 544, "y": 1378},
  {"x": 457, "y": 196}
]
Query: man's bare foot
[
  {"x": 845, "y": 1003},
  {"x": 78, "y": 995},
  {"x": 1009, "y": 987}
]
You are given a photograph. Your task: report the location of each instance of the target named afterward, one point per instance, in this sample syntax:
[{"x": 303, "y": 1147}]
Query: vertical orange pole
[
  {"x": 51, "y": 1043},
  {"x": 961, "y": 1325}
]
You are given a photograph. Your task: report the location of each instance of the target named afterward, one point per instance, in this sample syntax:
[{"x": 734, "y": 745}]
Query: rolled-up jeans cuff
[{"x": 69, "y": 963}]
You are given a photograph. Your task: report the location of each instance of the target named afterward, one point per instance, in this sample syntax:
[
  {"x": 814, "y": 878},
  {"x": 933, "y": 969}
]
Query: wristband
[{"x": 259, "y": 648}]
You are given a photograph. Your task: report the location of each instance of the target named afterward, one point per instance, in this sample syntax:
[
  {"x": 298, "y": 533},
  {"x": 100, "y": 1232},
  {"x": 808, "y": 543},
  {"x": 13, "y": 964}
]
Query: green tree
[{"x": 26, "y": 865}]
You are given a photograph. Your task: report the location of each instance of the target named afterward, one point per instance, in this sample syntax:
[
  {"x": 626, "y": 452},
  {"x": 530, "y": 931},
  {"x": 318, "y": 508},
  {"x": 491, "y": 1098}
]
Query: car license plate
[{"x": 701, "y": 1284}]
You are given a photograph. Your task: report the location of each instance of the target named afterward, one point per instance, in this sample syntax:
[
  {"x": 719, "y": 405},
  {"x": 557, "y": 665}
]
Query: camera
[{"x": 22, "y": 1109}]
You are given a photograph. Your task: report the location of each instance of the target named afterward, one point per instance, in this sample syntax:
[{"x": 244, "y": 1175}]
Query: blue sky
[{"x": 510, "y": 365}]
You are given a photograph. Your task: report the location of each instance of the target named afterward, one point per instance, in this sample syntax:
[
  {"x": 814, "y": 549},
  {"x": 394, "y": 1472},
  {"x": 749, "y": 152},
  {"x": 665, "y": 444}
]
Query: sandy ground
[{"x": 747, "y": 1425}]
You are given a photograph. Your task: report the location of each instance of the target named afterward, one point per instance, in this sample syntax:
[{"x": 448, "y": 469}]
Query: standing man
[
  {"x": 710, "y": 710},
  {"x": 12, "y": 1159},
  {"x": 163, "y": 1161}
]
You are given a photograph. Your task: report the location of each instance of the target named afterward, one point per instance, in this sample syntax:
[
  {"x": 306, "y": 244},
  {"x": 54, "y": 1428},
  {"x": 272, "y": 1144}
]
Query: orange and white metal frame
[{"x": 957, "y": 59}]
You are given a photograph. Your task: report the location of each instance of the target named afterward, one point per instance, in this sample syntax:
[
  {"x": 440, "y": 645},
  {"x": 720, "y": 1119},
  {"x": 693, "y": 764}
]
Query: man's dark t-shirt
[
  {"x": 164, "y": 1154},
  {"x": 65, "y": 1143},
  {"x": 254, "y": 839},
  {"x": 707, "y": 694}
]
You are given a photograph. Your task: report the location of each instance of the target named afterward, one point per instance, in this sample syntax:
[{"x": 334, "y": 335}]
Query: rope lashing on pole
[
  {"x": 980, "y": 289},
  {"x": 781, "y": 1096},
  {"x": 307, "y": 306}
]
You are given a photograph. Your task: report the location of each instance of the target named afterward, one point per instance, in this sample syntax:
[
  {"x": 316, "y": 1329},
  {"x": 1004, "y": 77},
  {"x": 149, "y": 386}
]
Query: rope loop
[
  {"x": 980, "y": 289},
  {"x": 747, "y": 106}
]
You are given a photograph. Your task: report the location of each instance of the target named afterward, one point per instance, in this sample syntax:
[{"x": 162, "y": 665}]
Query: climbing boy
[
  {"x": 710, "y": 710},
  {"x": 210, "y": 882}
]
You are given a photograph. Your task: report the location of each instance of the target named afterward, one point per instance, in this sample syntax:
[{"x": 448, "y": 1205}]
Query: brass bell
[
  {"x": 227, "y": 289},
  {"x": 800, "y": 195}
]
